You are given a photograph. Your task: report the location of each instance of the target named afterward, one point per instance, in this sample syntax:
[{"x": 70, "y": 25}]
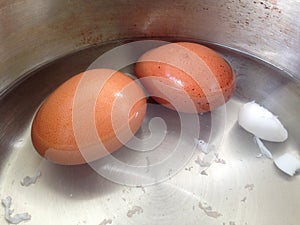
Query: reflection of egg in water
[
  {"x": 53, "y": 133},
  {"x": 187, "y": 76}
]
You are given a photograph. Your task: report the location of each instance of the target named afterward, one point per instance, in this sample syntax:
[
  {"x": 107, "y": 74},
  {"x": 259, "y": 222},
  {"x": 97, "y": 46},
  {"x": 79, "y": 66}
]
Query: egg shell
[
  {"x": 261, "y": 123},
  {"x": 288, "y": 164},
  {"x": 120, "y": 102},
  {"x": 183, "y": 73}
]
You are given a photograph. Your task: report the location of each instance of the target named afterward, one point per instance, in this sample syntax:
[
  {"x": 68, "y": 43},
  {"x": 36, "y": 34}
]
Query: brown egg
[
  {"x": 187, "y": 77},
  {"x": 81, "y": 121}
]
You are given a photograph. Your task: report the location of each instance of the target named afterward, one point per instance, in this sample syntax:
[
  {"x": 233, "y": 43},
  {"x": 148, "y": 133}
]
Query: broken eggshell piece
[
  {"x": 13, "y": 219},
  {"x": 263, "y": 149},
  {"x": 261, "y": 123},
  {"x": 288, "y": 164}
]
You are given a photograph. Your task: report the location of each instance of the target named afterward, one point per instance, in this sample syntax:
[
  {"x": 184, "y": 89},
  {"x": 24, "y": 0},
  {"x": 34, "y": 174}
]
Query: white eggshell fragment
[
  {"x": 263, "y": 149},
  {"x": 288, "y": 164},
  {"x": 261, "y": 123}
]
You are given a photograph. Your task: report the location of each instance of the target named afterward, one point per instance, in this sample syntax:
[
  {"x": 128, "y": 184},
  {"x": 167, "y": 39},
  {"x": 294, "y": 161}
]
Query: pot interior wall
[{"x": 35, "y": 32}]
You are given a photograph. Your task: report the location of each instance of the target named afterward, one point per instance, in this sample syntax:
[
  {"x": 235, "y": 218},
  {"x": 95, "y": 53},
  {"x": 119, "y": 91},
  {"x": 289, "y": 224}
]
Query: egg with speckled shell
[{"x": 187, "y": 77}]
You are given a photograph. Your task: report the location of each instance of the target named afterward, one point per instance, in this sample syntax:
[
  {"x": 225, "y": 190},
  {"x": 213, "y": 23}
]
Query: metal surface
[
  {"x": 245, "y": 190},
  {"x": 34, "y": 32}
]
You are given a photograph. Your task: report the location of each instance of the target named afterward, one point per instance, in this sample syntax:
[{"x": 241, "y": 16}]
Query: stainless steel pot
[
  {"x": 34, "y": 33},
  {"x": 245, "y": 191}
]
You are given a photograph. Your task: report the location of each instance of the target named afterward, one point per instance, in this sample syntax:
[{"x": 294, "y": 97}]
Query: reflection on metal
[{"x": 33, "y": 34}]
